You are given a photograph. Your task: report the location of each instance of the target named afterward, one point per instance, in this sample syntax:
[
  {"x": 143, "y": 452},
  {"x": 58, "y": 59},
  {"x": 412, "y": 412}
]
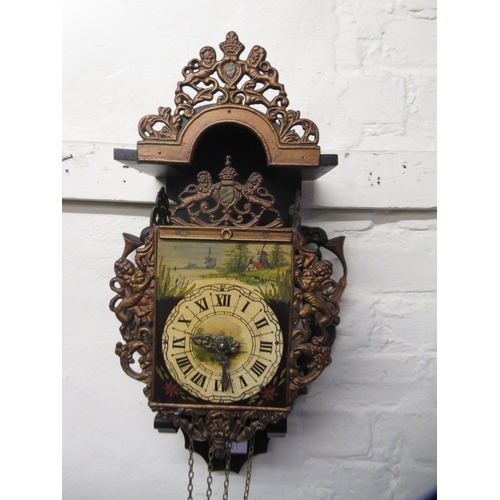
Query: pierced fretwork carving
[
  {"x": 227, "y": 203},
  {"x": 230, "y": 81}
]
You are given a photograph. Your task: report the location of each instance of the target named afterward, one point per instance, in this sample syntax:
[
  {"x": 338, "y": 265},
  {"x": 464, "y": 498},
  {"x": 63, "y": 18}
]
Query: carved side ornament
[
  {"x": 133, "y": 305},
  {"x": 315, "y": 307}
]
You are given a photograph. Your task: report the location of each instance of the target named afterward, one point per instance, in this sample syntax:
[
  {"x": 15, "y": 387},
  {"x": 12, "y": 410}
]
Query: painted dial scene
[{"x": 222, "y": 318}]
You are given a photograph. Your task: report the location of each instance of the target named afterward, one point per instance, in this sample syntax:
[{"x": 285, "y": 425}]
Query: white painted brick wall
[{"x": 367, "y": 428}]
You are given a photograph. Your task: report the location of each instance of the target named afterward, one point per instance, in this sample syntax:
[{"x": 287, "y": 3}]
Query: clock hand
[
  {"x": 222, "y": 345},
  {"x": 224, "y": 361},
  {"x": 225, "y": 346}
]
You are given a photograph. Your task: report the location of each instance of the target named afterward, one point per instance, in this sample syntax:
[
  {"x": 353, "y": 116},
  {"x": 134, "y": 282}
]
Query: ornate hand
[{"x": 221, "y": 344}]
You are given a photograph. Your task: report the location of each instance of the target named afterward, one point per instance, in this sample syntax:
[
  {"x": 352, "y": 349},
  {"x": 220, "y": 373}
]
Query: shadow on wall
[{"x": 431, "y": 496}]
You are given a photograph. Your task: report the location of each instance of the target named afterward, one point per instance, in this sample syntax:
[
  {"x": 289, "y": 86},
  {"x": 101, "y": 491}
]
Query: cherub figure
[
  {"x": 143, "y": 311},
  {"x": 313, "y": 282},
  {"x": 132, "y": 283}
]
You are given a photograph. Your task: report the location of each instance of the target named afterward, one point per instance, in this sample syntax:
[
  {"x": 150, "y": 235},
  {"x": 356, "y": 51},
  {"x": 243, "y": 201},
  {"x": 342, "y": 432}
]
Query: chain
[
  {"x": 191, "y": 471},
  {"x": 227, "y": 470},
  {"x": 210, "y": 469},
  {"x": 249, "y": 468}
]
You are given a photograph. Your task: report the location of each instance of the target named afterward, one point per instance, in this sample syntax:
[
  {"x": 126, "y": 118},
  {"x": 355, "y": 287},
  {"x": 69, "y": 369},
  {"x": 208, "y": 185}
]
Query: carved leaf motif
[
  {"x": 290, "y": 119},
  {"x": 169, "y": 131},
  {"x": 186, "y": 103}
]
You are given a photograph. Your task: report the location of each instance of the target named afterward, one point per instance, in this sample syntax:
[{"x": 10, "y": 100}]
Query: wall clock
[{"x": 228, "y": 309}]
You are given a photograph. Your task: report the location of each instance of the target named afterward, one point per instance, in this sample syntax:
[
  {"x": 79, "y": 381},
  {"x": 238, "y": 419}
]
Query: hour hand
[
  {"x": 224, "y": 346},
  {"x": 224, "y": 361}
]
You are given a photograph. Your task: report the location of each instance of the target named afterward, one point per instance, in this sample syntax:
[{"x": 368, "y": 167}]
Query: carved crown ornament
[{"x": 245, "y": 92}]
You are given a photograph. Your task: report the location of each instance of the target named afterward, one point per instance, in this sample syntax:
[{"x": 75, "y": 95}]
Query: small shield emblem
[
  {"x": 230, "y": 69},
  {"x": 227, "y": 195}
]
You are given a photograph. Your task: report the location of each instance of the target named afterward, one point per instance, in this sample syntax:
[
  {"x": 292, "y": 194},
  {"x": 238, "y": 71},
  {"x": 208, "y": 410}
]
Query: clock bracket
[{"x": 239, "y": 454}]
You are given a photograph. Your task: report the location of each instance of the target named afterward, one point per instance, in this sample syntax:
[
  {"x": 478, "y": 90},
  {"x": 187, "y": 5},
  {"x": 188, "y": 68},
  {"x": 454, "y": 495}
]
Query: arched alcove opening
[
  {"x": 248, "y": 155},
  {"x": 220, "y": 140}
]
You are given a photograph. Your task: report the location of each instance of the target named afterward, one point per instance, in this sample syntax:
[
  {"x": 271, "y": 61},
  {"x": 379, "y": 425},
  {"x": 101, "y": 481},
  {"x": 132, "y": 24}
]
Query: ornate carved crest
[
  {"x": 230, "y": 81},
  {"x": 226, "y": 203}
]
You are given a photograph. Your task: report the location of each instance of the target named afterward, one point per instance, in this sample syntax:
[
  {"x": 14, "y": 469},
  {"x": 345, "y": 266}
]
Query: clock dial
[{"x": 222, "y": 343}]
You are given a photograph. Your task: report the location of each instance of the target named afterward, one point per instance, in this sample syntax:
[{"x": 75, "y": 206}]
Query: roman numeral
[
  {"x": 199, "y": 379},
  {"x": 218, "y": 385},
  {"x": 258, "y": 368},
  {"x": 243, "y": 382},
  {"x": 202, "y": 304},
  {"x": 223, "y": 300},
  {"x": 245, "y": 306},
  {"x": 179, "y": 343},
  {"x": 184, "y": 320},
  {"x": 266, "y": 346},
  {"x": 184, "y": 364},
  {"x": 261, "y": 323}
]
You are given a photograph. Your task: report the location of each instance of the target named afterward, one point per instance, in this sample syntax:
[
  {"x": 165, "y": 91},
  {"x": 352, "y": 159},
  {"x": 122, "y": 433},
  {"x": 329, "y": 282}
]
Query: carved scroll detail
[
  {"x": 315, "y": 308},
  {"x": 133, "y": 305},
  {"x": 233, "y": 81}
]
